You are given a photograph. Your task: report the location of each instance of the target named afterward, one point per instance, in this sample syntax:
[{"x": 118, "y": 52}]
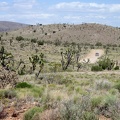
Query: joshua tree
[
  {"x": 67, "y": 57},
  {"x": 11, "y": 42},
  {"x": 35, "y": 59},
  {"x": 41, "y": 64},
  {"x": 20, "y": 62},
  {"x": 5, "y": 57}
]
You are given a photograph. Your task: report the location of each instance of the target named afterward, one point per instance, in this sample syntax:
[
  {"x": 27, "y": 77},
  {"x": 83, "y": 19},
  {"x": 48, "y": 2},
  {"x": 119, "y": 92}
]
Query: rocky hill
[{"x": 82, "y": 33}]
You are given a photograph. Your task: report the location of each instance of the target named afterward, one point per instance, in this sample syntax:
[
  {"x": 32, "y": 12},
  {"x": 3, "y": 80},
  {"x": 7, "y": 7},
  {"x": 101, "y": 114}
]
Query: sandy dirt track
[{"x": 92, "y": 55}]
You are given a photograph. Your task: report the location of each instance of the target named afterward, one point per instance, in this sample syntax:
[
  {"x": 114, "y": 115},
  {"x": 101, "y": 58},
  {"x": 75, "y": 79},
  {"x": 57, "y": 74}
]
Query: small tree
[
  {"x": 41, "y": 64},
  {"x": 5, "y": 57},
  {"x": 34, "y": 60},
  {"x": 19, "y": 38},
  {"x": 67, "y": 57},
  {"x": 19, "y": 64},
  {"x": 37, "y": 60}
]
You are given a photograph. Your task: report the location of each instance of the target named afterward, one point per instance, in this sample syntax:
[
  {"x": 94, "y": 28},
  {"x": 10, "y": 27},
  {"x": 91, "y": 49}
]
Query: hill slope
[
  {"x": 8, "y": 26},
  {"x": 82, "y": 33}
]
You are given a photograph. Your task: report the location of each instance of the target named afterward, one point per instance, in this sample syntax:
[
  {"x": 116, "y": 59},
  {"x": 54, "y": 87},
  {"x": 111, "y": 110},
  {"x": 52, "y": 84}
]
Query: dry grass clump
[
  {"x": 52, "y": 114},
  {"x": 103, "y": 85}
]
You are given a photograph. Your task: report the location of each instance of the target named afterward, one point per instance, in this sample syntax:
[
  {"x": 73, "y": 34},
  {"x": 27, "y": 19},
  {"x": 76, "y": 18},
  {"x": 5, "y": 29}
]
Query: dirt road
[{"x": 93, "y": 56}]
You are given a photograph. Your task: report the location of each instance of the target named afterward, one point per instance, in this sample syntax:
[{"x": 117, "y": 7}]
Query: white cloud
[
  {"x": 37, "y": 16},
  {"x": 115, "y": 8},
  {"x": 23, "y": 6},
  {"x": 72, "y": 17},
  {"x": 4, "y": 6},
  {"x": 34, "y": 11},
  {"x": 27, "y": 18},
  {"x": 91, "y": 7},
  {"x": 3, "y": 3}
]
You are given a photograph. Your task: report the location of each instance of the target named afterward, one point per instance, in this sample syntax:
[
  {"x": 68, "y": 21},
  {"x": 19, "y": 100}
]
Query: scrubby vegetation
[{"x": 55, "y": 80}]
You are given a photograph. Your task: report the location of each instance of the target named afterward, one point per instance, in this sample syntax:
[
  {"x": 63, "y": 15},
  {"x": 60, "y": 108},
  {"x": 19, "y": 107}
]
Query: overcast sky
[{"x": 61, "y": 11}]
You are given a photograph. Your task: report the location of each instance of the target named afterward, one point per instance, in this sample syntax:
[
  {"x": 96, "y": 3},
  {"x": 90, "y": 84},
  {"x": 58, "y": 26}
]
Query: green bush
[
  {"x": 19, "y": 38},
  {"x": 96, "y": 68},
  {"x": 89, "y": 116},
  {"x": 40, "y": 42},
  {"x": 95, "y": 101},
  {"x": 32, "y": 112},
  {"x": 109, "y": 100},
  {"x": 2, "y": 94},
  {"x": 23, "y": 85},
  {"x": 37, "y": 91},
  {"x": 98, "y": 44},
  {"x": 34, "y": 40},
  {"x": 116, "y": 68},
  {"x": 106, "y": 64}
]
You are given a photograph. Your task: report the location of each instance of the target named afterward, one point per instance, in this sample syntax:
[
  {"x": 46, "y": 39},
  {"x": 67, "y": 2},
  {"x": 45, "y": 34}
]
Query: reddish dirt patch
[{"x": 11, "y": 113}]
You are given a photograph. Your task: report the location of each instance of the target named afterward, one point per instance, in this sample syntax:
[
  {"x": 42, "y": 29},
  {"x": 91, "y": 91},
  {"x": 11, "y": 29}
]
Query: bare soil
[{"x": 93, "y": 56}]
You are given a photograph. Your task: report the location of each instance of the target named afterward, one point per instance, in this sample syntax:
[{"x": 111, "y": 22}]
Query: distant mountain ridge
[{"x": 9, "y": 26}]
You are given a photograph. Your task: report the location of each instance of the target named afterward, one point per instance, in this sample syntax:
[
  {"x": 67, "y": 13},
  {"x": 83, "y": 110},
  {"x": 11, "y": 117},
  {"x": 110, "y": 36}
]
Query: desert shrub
[
  {"x": 117, "y": 86},
  {"x": 106, "y": 107},
  {"x": 32, "y": 112},
  {"x": 114, "y": 45},
  {"x": 51, "y": 114},
  {"x": 103, "y": 84},
  {"x": 34, "y": 31},
  {"x": 109, "y": 100},
  {"x": 34, "y": 40},
  {"x": 54, "y": 31},
  {"x": 116, "y": 68},
  {"x": 45, "y": 33},
  {"x": 96, "y": 68},
  {"x": 19, "y": 38},
  {"x": 23, "y": 85},
  {"x": 37, "y": 91},
  {"x": 106, "y": 64},
  {"x": 10, "y": 94},
  {"x": 89, "y": 116},
  {"x": 2, "y": 94},
  {"x": 78, "y": 110},
  {"x": 21, "y": 72},
  {"x": 66, "y": 44},
  {"x": 115, "y": 110},
  {"x": 57, "y": 42},
  {"x": 40, "y": 42},
  {"x": 110, "y": 107},
  {"x": 98, "y": 44},
  {"x": 113, "y": 91},
  {"x": 95, "y": 101},
  {"x": 22, "y": 45}
]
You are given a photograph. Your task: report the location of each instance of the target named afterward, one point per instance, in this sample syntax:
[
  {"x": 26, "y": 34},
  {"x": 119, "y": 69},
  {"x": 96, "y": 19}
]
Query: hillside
[
  {"x": 9, "y": 26},
  {"x": 44, "y": 78},
  {"x": 82, "y": 33}
]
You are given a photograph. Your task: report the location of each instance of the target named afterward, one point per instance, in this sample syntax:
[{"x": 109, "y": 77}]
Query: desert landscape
[{"x": 59, "y": 71}]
